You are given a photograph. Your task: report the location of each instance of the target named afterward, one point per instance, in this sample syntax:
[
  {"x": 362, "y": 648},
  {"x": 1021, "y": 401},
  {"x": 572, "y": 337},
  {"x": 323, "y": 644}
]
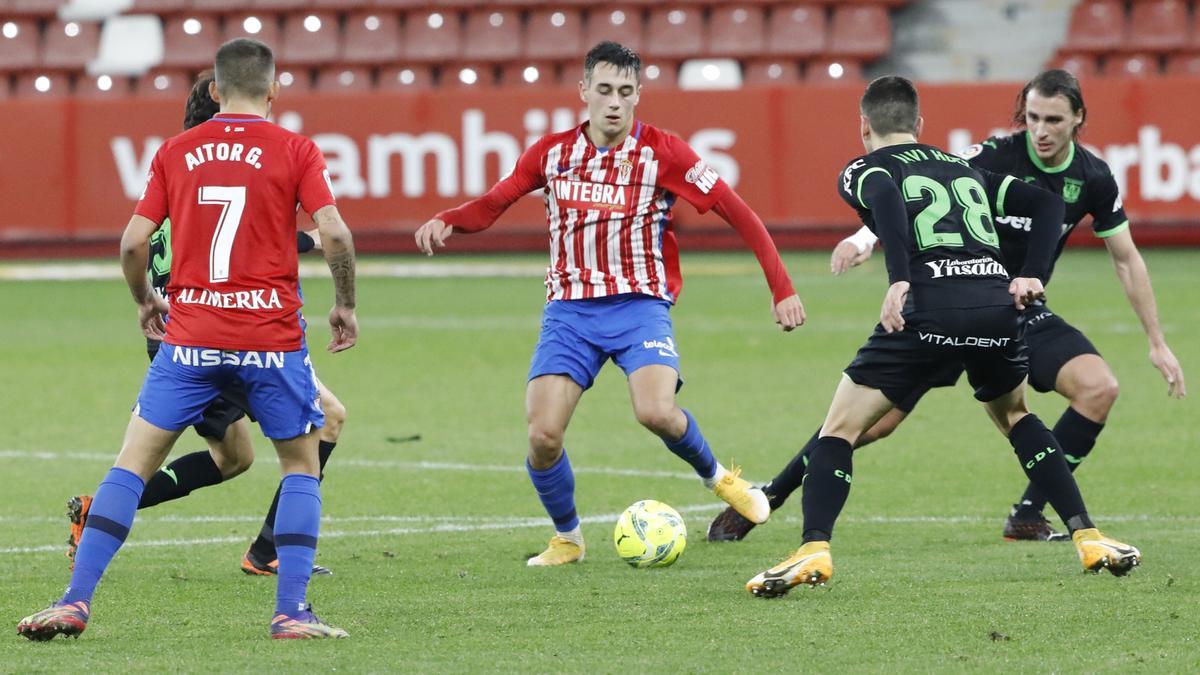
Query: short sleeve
[
  {"x": 152, "y": 205},
  {"x": 1108, "y": 214},
  {"x": 850, "y": 182},
  {"x": 989, "y": 155},
  {"x": 315, "y": 190},
  {"x": 689, "y": 176}
]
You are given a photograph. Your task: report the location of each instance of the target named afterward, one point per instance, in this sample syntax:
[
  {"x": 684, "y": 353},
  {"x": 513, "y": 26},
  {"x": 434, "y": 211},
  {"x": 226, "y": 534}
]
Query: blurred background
[{"x": 419, "y": 105}]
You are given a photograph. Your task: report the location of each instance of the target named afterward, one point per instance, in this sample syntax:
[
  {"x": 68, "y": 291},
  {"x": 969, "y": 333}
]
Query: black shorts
[
  {"x": 231, "y": 406},
  {"x": 1052, "y": 342},
  {"x": 936, "y": 347}
]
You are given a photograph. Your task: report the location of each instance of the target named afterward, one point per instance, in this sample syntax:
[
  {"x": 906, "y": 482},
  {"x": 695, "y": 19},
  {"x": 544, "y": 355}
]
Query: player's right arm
[
  {"x": 150, "y": 212},
  {"x": 870, "y": 189},
  {"x": 1045, "y": 210},
  {"x": 338, "y": 245},
  {"x": 479, "y": 214}
]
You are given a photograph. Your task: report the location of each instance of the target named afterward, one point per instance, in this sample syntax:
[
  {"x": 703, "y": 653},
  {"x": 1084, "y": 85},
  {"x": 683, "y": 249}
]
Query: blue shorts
[
  {"x": 281, "y": 388},
  {"x": 578, "y": 336}
]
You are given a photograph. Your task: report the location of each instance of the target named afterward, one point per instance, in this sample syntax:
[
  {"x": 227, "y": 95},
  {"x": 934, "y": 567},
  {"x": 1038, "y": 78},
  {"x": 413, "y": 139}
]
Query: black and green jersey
[
  {"x": 160, "y": 258},
  {"x": 935, "y": 214},
  {"x": 1083, "y": 180}
]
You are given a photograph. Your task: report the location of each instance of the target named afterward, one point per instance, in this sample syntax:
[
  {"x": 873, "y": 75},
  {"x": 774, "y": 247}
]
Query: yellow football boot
[
  {"x": 811, "y": 564},
  {"x": 746, "y": 499},
  {"x": 560, "y": 551},
  {"x": 1098, "y": 552}
]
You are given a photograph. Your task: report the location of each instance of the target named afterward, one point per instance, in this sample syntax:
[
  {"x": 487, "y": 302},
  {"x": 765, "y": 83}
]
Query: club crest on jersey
[
  {"x": 702, "y": 176},
  {"x": 848, "y": 174},
  {"x": 972, "y": 152},
  {"x": 1071, "y": 190},
  {"x": 624, "y": 171},
  {"x": 589, "y": 196}
]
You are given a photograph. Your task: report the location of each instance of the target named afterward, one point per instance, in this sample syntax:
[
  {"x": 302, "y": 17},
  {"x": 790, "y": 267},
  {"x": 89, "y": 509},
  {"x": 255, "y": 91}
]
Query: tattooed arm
[{"x": 338, "y": 245}]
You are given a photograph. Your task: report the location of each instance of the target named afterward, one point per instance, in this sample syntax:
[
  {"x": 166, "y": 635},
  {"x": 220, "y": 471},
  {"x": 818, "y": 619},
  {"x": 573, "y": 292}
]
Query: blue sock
[
  {"x": 108, "y": 521},
  {"x": 297, "y": 521},
  {"x": 693, "y": 449},
  {"x": 556, "y": 488}
]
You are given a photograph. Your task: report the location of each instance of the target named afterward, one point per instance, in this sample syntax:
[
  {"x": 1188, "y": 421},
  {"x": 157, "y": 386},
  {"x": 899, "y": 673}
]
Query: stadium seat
[
  {"x": 710, "y": 74},
  {"x": 19, "y": 42},
  {"x": 221, "y": 7},
  {"x": 676, "y": 32},
  {"x": 860, "y": 31},
  {"x": 659, "y": 74},
  {"x": 340, "y": 5},
  {"x": 492, "y": 35},
  {"x": 1131, "y": 66},
  {"x": 1158, "y": 26},
  {"x": 343, "y": 79},
  {"x": 796, "y": 30},
  {"x": 103, "y": 86},
  {"x": 736, "y": 31},
  {"x": 129, "y": 45},
  {"x": 90, "y": 10},
  {"x": 309, "y": 38},
  {"x": 432, "y": 36},
  {"x": 69, "y": 45},
  {"x": 1079, "y": 65},
  {"x": 163, "y": 8},
  {"x": 1095, "y": 26},
  {"x": 5, "y": 87},
  {"x": 42, "y": 8},
  {"x": 294, "y": 79},
  {"x": 771, "y": 72},
  {"x": 555, "y": 34},
  {"x": 190, "y": 41},
  {"x": 833, "y": 71},
  {"x": 371, "y": 37},
  {"x": 278, "y": 6},
  {"x": 42, "y": 85},
  {"x": 467, "y": 76},
  {"x": 397, "y": 4},
  {"x": 411, "y": 77},
  {"x": 254, "y": 25},
  {"x": 528, "y": 75},
  {"x": 622, "y": 24},
  {"x": 1184, "y": 64},
  {"x": 165, "y": 82}
]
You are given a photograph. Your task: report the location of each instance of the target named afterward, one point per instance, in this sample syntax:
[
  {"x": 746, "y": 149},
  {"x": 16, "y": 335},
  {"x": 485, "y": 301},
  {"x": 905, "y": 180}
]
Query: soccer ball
[{"x": 650, "y": 534}]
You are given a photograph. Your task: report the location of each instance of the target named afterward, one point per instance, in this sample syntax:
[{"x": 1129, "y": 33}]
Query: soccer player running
[
  {"x": 224, "y": 427},
  {"x": 934, "y": 214},
  {"x": 609, "y": 186},
  {"x": 1061, "y": 358},
  {"x": 231, "y": 186}
]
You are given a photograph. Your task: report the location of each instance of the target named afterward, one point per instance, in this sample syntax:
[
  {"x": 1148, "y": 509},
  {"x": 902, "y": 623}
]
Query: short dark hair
[
  {"x": 244, "y": 67},
  {"x": 1049, "y": 84},
  {"x": 200, "y": 106},
  {"x": 618, "y": 55},
  {"x": 891, "y": 106}
]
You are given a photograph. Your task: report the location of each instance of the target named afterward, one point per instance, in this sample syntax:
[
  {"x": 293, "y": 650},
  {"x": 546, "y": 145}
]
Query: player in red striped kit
[{"x": 610, "y": 185}]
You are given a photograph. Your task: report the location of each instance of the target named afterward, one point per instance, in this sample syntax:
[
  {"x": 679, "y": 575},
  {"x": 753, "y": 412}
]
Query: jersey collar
[
  {"x": 1037, "y": 161},
  {"x": 237, "y": 117}
]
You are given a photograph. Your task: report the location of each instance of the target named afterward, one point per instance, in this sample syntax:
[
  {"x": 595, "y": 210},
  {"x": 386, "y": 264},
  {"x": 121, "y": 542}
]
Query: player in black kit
[
  {"x": 950, "y": 306},
  {"x": 1062, "y": 359}
]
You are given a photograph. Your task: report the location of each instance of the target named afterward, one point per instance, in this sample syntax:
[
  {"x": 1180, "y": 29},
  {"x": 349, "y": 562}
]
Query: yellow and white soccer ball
[{"x": 650, "y": 534}]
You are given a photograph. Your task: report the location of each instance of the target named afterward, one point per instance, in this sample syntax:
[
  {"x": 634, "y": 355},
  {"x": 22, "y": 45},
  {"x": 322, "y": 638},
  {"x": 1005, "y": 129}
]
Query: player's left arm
[
  {"x": 879, "y": 194},
  {"x": 135, "y": 256}
]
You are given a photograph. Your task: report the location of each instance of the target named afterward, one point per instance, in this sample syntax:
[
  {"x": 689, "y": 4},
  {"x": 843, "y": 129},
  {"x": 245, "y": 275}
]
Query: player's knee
[
  {"x": 234, "y": 463},
  {"x": 1098, "y": 396},
  {"x": 335, "y": 417},
  {"x": 544, "y": 442},
  {"x": 659, "y": 417}
]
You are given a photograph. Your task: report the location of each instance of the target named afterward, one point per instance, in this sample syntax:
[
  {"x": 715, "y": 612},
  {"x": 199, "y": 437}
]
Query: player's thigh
[
  {"x": 281, "y": 391},
  {"x": 179, "y": 386},
  {"x": 1008, "y": 408},
  {"x": 563, "y": 348},
  {"x": 855, "y": 408},
  {"x": 1084, "y": 375},
  {"x": 652, "y": 389},
  {"x": 145, "y": 447},
  {"x": 1053, "y": 344},
  {"x": 901, "y": 366},
  {"x": 550, "y": 400},
  {"x": 884, "y": 427},
  {"x": 233, "y": 453}
]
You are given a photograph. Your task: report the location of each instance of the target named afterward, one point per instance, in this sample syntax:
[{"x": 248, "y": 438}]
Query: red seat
[
  {"x": 253, "y": 25},
  {"x": 217, "y": 6},
  {"x": 619, "y": 24},
  {"x": 555, "y": 34},
  {"x": 398, "y": 4},
  {"x": 294, "y": 79},
  {"x": 165, "y": 82},
  {"x": 42, "y": 85},
  {"x": 1158, "y": 26},
  {"x": 5, "y": 88},
  {"x": 103, "y": 86},
  {"x": 70, "y": 44},
  {"x": 1184, "y": 64},
  {"x": 162, "y": 8},
  {"x": 675, "y": 33},
  {"x": 1079, "y": 65},
  {"x": 660, "y": 75},
  {"x": 737, "y": 31},
  {"x": 1096, "y": 26},
  {"x": 371, "y": 37},
  {"x": 432, "y": 36},
  {"x": 863, "y": 32},
  {"x": 343, "y": 79},
  {"x": 1131, "y": 66},
  {"x": 771, "y": 72},
  {"x": 409, "y": 77},
  {"x": 339, "y": 5},
  {"x": 833, "y": 71},
  {"x": 190, "y": 41},
  {"x": 492, "y": 35},
  {"x": 797, "y": 30},
  {"x": 43, "y": 8},
  {"x": 309, "y": 38},
  {"x": 528, "y": 75},
  {"x": 467, "y": 76},
  {"x": 279, "y": 6},
  {"x": 19, "y": 42}
]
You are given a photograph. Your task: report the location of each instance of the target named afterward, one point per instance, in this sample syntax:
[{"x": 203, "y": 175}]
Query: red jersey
[
  {"x": 608, "y": 209},
  {"x": 231, "y": 187}
]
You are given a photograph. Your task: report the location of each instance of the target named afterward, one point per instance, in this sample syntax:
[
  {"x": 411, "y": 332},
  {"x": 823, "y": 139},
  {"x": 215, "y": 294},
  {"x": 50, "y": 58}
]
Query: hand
[
  {"x": 433, "y": 233},
  {"x": 892, "y": 313},
  {"x": 344, "y": 326},
  {"x": 1025, "y": 290},
  {"x": 846, "y": 255},
  {"x": 1163, "y": 359},
  {"x": 150, "y": 316},
  {"x": 789, "y": 313}
]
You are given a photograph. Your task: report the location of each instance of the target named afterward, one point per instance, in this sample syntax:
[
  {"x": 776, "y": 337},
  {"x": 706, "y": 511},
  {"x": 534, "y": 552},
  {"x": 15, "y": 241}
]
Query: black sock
[
  {"x": 1044, "y": 463},
  {"x": 1077, "y": 436},
  {"x": 826, "y": 487},
  {"x": 263, "y": 547},
  {"x": 190, "y": 472},
  {"x": 792, "y": 477}
]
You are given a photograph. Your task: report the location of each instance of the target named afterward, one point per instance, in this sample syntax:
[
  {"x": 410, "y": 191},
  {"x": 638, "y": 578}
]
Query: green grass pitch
[{"x": 427, "y": 537}]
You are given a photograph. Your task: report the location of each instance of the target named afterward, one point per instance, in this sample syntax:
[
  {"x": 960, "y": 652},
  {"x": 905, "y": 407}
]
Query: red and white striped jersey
[{"x": 608, "y": 209}]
